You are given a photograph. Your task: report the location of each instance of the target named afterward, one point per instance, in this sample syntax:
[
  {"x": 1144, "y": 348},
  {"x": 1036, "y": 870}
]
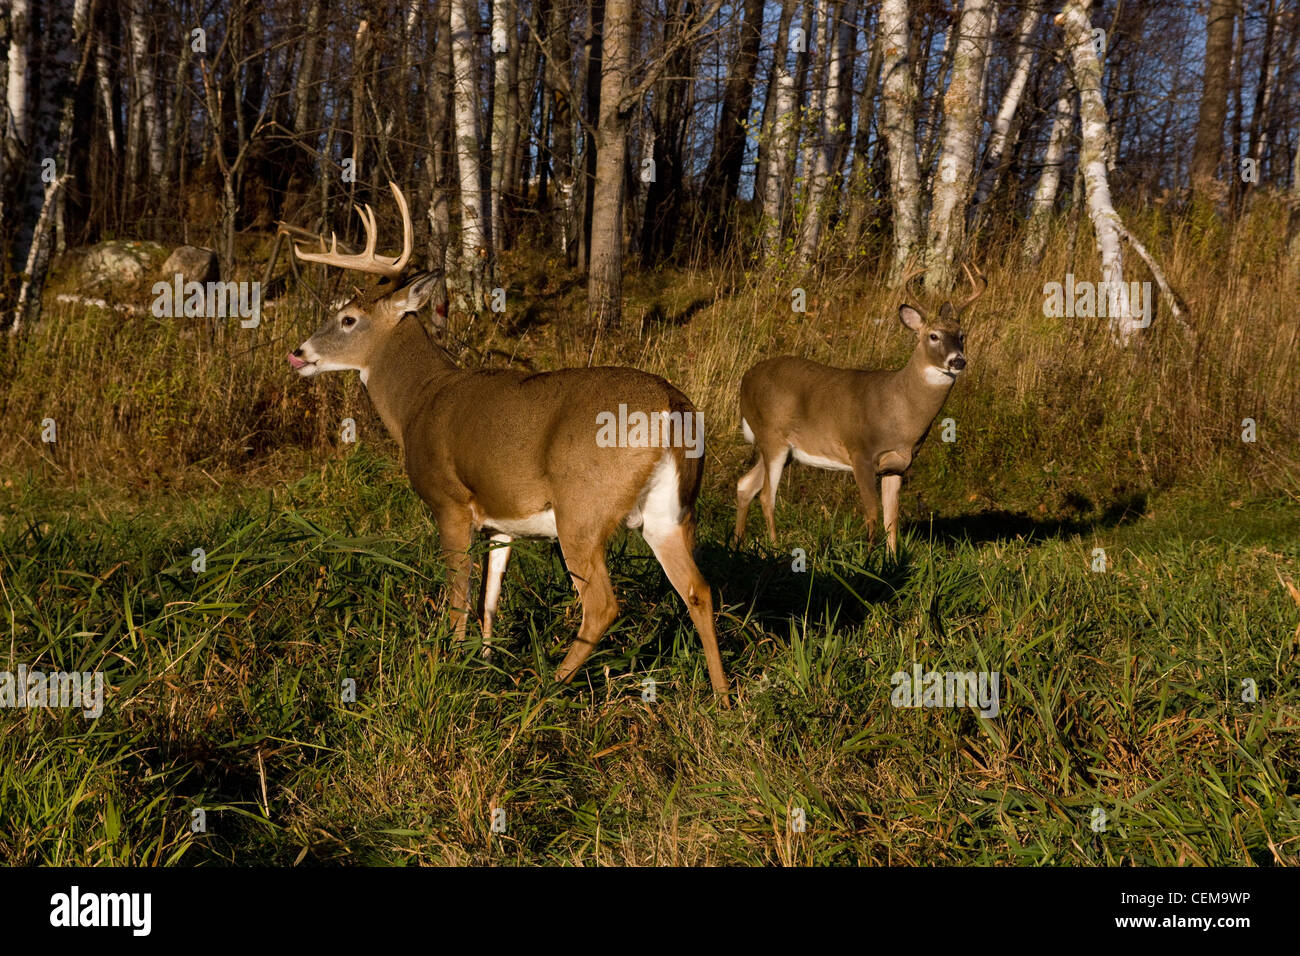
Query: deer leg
[
  {"x": 494, "y": 570},
  {"x": 584, "y": 556},
  {"x": 889, "y": 486},
  {"x": 454, "y": 532},
  {"x": 750, "y": 484},
  {"x": 672, "y": 545},
  {"x": 775, "y": 465},
  {"x": 865, "y": 476}
]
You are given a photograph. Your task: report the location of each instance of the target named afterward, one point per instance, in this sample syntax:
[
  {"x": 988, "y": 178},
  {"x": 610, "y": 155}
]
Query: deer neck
[
  {"x": 407, "y": 368},
  {"x": 923, "y": 388}
]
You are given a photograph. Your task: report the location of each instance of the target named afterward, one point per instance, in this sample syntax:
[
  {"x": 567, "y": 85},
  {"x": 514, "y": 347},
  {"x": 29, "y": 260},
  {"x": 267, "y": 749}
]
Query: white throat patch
[{"x": 937, "y": 376}]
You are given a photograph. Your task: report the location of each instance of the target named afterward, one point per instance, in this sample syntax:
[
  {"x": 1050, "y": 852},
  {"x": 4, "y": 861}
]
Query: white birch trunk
[
  {"x": 1001, "y": 133},
  {"x": 1094, "y": 127},
  {"x": 899, "y": 94},
  {"x": 501, "y": 40},
  {"x": 815, "y": 105},
  {"x": 833, "y": 127},
  {"x": 780, "y": 138},
  {"x": 960, "y": 138},
  {"x": 1049, "y": 179},
  {"x": 147, "y": 90},
  {"x": 465, "y": 99},
  {"x": 20, "y": 38}
]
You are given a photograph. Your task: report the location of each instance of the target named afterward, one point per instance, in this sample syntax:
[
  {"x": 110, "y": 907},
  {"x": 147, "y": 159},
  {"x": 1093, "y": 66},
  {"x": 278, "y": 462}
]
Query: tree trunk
[
  {"x": 1049, "y": 179},
  {"x": 142, "y": 73},
  {"x": 1001, "y": 134},
  {"x": 673, "y": 103},
  {"x": 900, "y": 133},
  {"x": 861, "y": 203},
  {"x": 1086, "y": 69},
  {"x": 1208, "y": 150},
  {"x": 605, "y": 280},
  {"x": 776, "y": 191},
  {"x": 834, "y": 123},
  {"x": 723, "y": 174},
  {"x": 474, "y": 251},
  {"x": 65, "y": 30},
  {"x": 307, "y": 70},
  {"x": 780, "y": 54},
  {"x": 502, "y": 44},
  {"x": 962, "y": 120}
]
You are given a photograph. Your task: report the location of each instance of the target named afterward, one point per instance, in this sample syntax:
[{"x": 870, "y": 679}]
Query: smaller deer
[{"x": 869, "y": 422}]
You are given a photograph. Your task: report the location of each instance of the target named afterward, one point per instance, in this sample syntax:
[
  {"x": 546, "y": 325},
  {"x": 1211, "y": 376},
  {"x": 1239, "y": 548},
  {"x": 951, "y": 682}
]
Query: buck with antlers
[
  {"x": 516, "y": 454},
  {"x": 869, "y": 422}
]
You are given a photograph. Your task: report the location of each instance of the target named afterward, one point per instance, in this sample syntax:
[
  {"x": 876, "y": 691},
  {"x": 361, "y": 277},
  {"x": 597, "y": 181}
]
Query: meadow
[{"x": 1124, "y": 733}]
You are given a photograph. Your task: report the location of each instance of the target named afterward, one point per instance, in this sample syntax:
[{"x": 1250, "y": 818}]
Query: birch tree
[
  {"x": 833, "y": 124},
  {"x": 66, "y": 30},
  {"x": 960, "y": 139},
  {"x": 474, "y": 251},
  {"x": 1000, "y": 135},
  {"x": 1049, "y": 177},
  {"x": 780, "y": 137},
  {"x": 503, "y": 44},
  {"x": 149, "y": 132},
  {"x": 899, "y": 94},
  {"x": 1094, "y": 132}
]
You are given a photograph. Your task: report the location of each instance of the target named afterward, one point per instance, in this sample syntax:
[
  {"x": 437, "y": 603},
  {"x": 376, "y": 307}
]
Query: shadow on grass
[
  {"x": 763, "y": 582},
  {"x": 766, "y": 585},
  {"x": 987, "y": 526}
]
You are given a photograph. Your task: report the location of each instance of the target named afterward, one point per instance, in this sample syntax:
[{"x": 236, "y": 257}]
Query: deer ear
[
  {"x": 412, "y": 296},
  {"x": 911, "y": 317}
]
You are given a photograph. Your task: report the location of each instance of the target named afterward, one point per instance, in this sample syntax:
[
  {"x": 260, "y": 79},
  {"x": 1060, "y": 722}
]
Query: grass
[{"x": 1120, "y": 690}]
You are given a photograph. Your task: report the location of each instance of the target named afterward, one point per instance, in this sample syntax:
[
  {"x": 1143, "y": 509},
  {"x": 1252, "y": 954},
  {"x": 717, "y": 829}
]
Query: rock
[
  {"x": 119, "y": 262},
  {"x": 193, "y": 263}
]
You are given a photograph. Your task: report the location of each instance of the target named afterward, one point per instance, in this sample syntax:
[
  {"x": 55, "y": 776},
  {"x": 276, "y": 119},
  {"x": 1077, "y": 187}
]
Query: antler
[
  {"x": 366, "y": 261},
  {"x": 909, "y": 277},
  {"x": 978, "y": 284}
]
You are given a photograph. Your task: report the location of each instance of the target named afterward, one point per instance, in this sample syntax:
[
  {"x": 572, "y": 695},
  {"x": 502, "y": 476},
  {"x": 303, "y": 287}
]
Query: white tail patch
[
  {"x": 747, "y": 431},
  {"x": 659, "y": 506}
]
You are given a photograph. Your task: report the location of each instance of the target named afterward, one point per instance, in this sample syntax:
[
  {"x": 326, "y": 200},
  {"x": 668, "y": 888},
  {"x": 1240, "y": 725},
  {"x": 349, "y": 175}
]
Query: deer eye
[
  {"x": 934, "y": 336},
  {"x": 349, "y": 321}
]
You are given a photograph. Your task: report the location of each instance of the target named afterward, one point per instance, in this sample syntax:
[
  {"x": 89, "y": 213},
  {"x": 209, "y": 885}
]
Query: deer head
[
  {"x": 940, "y": 340},
  {"x": 350, "y": 338}
]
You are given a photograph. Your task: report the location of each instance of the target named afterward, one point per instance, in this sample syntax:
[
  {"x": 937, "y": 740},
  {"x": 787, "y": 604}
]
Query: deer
[
  {"x": 515, "y": 454},
  {"x": 871, "y": 422}
]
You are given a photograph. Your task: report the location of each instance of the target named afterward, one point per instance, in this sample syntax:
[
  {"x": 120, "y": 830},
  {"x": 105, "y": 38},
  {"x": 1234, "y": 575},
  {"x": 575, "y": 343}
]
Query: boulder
[
  {"x": 193, "y": 263},
  {"x": 119, "y": 262}
]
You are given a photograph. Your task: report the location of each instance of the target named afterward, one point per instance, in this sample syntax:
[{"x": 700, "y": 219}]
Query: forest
[{"x": 1103, "y": 516}]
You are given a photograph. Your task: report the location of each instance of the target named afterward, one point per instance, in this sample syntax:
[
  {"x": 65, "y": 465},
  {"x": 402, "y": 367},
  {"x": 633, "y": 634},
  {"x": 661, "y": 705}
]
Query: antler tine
[
  {"x": 408, "y": 230},
  {"x": 367, "y": 261},
  {"x": 910, "y": 276},
  {"x": 978, "y": 284}
]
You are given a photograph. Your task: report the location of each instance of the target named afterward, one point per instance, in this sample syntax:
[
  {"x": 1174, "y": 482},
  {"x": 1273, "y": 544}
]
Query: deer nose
[{"x": 958, "y": 363}]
